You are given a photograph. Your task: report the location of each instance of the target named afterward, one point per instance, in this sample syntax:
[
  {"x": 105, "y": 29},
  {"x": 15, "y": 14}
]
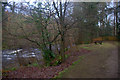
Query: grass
[
  {"x": 95, "y": 47},
  {"x": 0, "y": 73},
  {"x": 34, "y": 64},
  {"x": 81, "y": 57},
  {"x": 65, "y": 70},
  {"x": 86, "y": 48}
]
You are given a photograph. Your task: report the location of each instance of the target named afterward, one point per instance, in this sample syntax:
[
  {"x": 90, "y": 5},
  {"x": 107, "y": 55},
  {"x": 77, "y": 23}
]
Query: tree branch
[{"x": 56, "y": 9}]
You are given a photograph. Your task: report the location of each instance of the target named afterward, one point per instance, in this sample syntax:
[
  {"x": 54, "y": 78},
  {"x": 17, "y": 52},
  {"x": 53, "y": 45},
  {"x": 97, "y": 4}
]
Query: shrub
[
  {"x": 112, "y": 38},
  {"x": 48, "y": 56},
  {"x": 66, "y": 49},
  {"x": 108, "y": 38},
  {"x": 57, "y": 60}
]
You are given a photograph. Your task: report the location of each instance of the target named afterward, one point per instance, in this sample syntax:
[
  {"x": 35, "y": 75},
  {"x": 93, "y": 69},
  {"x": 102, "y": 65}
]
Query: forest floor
[{"x": 93, "y": 61}]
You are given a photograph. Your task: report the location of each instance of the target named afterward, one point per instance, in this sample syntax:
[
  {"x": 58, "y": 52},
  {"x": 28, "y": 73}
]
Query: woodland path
[{"x": 102, "y": 62}]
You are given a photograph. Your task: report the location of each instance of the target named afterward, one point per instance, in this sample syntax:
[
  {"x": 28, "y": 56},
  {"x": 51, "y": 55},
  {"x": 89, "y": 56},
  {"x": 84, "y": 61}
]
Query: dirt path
[{"x": 102, "y": 62}]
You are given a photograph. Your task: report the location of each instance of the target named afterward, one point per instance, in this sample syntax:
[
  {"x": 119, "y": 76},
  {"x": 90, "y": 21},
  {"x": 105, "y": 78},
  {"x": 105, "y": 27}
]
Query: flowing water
[{"x": 10, "y": 57}]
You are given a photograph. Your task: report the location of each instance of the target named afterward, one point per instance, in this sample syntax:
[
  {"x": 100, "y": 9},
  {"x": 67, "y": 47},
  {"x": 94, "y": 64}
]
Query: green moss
[
  {"x": 0, "y": 73},
  {"x": 66, "y": 56},
  {"x": 86, "y": 47},
  {"x": 13, "y": 69},
  {"x": 81, "y": 57}
]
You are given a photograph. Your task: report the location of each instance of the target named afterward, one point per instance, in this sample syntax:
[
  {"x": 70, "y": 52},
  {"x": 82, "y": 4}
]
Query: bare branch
[{"x": 56, "y": 9}]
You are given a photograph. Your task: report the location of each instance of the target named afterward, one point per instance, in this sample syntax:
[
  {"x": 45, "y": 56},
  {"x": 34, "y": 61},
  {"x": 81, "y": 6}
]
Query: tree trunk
[
  {"x": 50, "y": 47},
  {"x": 114, "y": 23},
  {"x": 62, "y": 48}
]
